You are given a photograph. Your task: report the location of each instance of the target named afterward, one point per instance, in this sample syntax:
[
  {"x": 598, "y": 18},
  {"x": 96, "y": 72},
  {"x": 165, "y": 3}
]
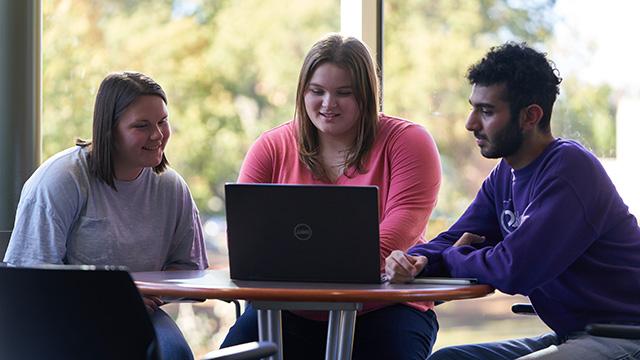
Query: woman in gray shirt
[{"x": 114, "y": 200}]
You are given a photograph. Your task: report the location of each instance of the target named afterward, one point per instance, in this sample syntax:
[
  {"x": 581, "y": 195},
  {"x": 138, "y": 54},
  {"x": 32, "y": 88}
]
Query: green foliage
[
  {"x": 230, "y": 70},
  {"x": 587, "y": 114},
  {"x": 428, "y": 47}
]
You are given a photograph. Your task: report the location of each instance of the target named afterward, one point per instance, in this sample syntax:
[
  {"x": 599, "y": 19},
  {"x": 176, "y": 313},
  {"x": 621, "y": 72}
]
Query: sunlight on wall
[{"x": 624, "y": 170}]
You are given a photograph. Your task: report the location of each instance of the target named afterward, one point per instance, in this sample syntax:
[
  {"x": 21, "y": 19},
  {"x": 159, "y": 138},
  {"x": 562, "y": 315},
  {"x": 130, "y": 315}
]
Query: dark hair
[
  {"x": 529, "y": 77},
  {"x": 117, "y": 91},
  {"x": 352, "y": 55}
]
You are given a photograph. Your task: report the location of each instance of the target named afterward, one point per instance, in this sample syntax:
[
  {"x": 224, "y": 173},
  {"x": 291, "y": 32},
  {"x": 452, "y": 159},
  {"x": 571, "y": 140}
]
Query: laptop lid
[{"x": 324, "y": 233}]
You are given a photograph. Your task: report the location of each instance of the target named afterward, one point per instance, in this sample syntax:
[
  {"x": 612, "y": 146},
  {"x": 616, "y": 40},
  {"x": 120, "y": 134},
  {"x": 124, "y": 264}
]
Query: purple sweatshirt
[{"x": 556, "y": 231}]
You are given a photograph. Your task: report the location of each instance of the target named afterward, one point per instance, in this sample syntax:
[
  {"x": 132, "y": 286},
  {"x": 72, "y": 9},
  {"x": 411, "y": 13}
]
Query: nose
[
  {"x": 157, "y": 133},
  {"x": 472, "y": 122},
  {"x": 329, "y": 101}
]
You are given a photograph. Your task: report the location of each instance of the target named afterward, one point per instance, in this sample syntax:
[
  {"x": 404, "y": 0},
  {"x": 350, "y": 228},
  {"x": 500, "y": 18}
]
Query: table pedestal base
[{"x": 342, "y": 325}]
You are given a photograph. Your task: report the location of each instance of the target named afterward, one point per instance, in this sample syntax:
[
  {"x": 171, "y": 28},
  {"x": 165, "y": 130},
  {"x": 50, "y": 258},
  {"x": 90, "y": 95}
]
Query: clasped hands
[{"x": 401, "y": 267}]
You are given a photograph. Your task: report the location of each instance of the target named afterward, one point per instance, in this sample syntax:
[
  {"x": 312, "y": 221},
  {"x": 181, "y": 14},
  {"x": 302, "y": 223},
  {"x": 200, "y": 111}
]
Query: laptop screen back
[{"x": 318, "y": 233}]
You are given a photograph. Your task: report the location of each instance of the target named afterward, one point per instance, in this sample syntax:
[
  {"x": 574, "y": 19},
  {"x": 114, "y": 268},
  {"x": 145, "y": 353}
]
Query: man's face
[{"x": 497, "y": 131}]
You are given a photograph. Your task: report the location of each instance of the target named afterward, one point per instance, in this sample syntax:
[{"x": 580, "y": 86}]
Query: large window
[
  {"x": 230, "y": 67},
  {"x": 429, "y": 45}
]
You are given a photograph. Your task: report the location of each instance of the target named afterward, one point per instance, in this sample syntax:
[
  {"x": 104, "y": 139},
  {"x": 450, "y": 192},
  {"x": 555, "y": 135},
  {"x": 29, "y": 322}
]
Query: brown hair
[
  {"x": 117, "y": 91},
  {"x": 354, "y": 56}
]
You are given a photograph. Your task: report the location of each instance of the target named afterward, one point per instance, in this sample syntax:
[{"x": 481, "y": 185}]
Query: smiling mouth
[
  {"x": 329, "y": 115},
  {"x": 154, "y": 148}
]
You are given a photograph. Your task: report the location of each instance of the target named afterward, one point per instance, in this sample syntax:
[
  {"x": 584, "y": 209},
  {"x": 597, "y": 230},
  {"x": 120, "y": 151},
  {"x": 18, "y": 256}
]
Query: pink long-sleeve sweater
[{"x": 404, "y": 163}]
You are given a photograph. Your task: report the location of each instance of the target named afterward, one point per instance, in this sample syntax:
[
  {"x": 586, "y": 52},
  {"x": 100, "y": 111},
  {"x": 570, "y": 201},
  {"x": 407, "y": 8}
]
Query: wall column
[
  {"x": 363, "y": 19},
  {"x": 20, "y": 102}
]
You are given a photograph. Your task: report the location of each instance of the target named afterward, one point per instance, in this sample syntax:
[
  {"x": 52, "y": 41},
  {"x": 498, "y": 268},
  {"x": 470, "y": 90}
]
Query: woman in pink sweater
[{"x": 339, "y": 137}]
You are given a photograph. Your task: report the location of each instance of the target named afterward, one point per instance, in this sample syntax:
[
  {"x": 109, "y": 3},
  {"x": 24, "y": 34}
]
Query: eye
[
  {"x": 316, "y": 91},
  {"x": 139, "y": 125},
  {"x": 345, "y": 93},
  {"x": 485, "y": 111}
]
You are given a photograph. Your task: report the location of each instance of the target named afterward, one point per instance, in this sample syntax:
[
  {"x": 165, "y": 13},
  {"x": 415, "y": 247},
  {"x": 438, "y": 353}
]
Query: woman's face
[
  {"x": 331, "y": 104},
  {"x": 140, "y": 136}
]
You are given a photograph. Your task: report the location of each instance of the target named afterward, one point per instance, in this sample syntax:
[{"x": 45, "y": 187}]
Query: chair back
[{"x": 73, "y": 313}]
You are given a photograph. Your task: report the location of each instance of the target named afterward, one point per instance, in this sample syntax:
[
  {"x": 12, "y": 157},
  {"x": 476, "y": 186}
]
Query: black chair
[
  {"x": 602, "y": 330},
  {"x": 82, "y": 313}
]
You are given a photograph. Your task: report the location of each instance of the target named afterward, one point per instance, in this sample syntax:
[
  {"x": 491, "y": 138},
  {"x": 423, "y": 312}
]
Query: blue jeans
[
  {"x": 548, "y": 347},
  {"x": 171, "y": 343},
  {"x": 394, "y": 332}
]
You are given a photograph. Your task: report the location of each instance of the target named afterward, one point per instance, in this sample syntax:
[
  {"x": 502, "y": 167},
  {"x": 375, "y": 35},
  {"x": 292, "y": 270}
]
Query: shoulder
[
  {"x": 61, "y": 172},
  {"x": 390, "y": 126},
  {"x": 283, "y": 132},
  {"x": 280, "y": 139},
  {"x": 568, "y": 158},
  {"x": 168, "y": 187},
  {"x": 169, "y": 178},
  {"x": 570, "y": 165},
  {"x": 74, "y": 159},
  {"x": 403, "y": 132}
]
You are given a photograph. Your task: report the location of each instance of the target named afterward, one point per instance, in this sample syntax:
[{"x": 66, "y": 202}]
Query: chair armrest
[
  {"x": 525, "y": 309},
  {"x": 614, "y": 331},
  {"x": 252, "y": 350}
]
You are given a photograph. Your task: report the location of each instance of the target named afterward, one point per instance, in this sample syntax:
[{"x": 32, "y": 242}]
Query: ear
[{"x": 530, "y": 116}]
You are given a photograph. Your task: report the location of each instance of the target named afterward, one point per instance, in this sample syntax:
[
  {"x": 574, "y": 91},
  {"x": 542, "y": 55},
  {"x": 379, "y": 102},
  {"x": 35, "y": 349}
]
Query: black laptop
[{"x": 316, "y": 233}]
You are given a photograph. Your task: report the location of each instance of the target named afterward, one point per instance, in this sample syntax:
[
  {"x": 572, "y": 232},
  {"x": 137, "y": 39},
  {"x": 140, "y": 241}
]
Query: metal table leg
[
  {"x": 270, "y": 329},
  {"x": 342, "y": 324},
  {"x": 347, "y": 330},
  {"x": 333, "y": 334}
]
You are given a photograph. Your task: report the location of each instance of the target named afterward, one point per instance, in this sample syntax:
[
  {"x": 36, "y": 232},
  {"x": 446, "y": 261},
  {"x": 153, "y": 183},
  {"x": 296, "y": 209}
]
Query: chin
[
  {"x": 153, "y": 164},
  {"x": 490, "y": 153}
]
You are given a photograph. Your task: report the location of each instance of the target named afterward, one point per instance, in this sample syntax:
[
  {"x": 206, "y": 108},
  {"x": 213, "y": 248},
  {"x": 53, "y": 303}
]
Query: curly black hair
[{"x": 530, "y": 78}]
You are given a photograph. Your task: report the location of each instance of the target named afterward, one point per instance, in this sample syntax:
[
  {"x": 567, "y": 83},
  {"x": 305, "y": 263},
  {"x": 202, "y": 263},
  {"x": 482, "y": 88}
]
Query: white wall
[{"x": 625, "y": 168}]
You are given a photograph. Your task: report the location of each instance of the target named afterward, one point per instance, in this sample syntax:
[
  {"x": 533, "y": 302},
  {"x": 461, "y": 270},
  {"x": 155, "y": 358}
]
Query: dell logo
[{"x": 302, "y": 232}]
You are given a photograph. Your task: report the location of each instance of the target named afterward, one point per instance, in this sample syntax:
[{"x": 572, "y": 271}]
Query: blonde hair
[{"x": 354, "y": 56}]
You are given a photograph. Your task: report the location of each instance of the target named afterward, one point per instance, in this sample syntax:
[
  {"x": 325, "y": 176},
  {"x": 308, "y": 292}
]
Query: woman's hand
[{"x": 401, "y": 267}]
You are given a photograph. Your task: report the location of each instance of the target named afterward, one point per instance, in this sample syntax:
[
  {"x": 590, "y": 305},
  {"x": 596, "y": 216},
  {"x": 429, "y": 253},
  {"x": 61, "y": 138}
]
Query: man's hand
[
  {"x": 152, "y": 303},
  {"x": 401, "y": 267},
  {"x": 468, "y": 239}
]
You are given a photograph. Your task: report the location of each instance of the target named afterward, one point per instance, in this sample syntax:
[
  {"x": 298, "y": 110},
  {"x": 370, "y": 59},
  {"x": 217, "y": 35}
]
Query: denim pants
[
  {"x": 579, "y": 346},
  {"x": 171, "y": 342},
  {"x": 394, "y": 332}
]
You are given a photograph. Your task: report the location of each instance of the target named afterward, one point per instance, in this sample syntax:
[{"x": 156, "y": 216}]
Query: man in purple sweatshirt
[{"x": 547, "y": 223}]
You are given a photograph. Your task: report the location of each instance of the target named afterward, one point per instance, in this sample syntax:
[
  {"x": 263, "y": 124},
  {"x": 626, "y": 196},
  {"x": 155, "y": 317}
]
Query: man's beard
[{"x": 505, "y": 143}]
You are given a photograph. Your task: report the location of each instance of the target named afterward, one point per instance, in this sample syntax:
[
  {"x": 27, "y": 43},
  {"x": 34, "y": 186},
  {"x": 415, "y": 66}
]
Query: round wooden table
[{"x": 270, "y": 298}]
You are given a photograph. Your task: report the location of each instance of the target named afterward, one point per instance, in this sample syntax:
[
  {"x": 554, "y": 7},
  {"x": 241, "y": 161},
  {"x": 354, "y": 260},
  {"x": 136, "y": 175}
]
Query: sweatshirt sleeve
[
  {"x": 480, "y": 218},
  {"x": 413, "y": 189},
  {"x": 512, "y": 265}
]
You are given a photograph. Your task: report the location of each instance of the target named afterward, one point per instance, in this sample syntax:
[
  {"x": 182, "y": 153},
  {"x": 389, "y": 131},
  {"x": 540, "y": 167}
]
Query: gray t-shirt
[{"x": 67, "y": 216}]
